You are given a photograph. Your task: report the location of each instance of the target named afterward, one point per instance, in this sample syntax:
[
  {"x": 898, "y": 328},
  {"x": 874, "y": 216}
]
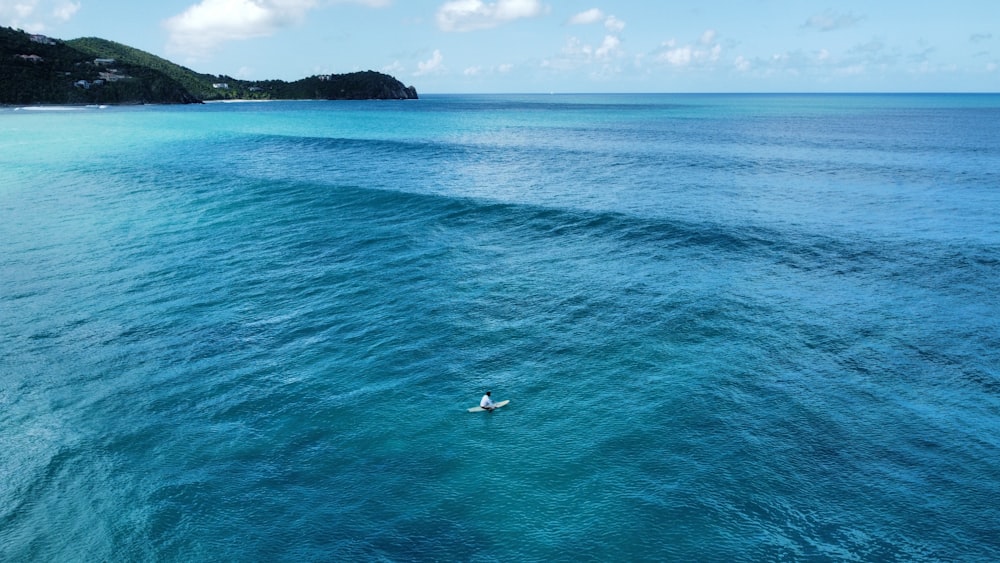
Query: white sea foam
[{"x": 51, "y": 108}]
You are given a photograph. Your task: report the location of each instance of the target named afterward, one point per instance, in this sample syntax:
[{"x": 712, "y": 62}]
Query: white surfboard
[{"x": 495, "y": 406}]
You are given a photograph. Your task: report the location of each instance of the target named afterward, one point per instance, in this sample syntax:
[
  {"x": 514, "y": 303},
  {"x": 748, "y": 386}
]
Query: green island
[{"x": 35, "y": 69}]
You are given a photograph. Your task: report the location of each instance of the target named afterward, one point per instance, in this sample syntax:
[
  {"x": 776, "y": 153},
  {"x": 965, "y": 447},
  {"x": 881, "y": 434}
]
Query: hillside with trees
[
  {"x": 35, "y": 69},
  {"x": 199, "y": 85}
]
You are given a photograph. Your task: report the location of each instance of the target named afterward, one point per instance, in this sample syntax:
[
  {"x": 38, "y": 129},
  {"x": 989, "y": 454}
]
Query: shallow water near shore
[{"x": 750, "y": 327}]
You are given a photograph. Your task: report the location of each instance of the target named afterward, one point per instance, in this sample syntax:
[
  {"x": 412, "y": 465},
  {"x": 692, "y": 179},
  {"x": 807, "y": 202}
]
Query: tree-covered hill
[
  {"x": 39, "y": 70},
  {"x": 200, "y": 85},
  {"x": 353, "y": 86},
  {"x": 366, "y": 85}
]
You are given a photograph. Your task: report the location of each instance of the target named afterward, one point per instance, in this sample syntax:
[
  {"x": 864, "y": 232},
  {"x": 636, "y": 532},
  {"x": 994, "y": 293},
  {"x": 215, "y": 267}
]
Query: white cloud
[
  {"x": 575, "y": 47},
  {"x": 595, "y": 15},
  {"x": 573, "y": 55},
  {"x": 610, "y": 47},
  {"x": 469, "y": 15},
  {"x": 832, "y": 21},
  {"x": 433, "y": 65},
  {"x": 474, "y": 71},
  {"x": 677, "y": 56},
  {"x": 203, "y": 26},
  {"x": 590, "y": 16},
  {"x": 36, "y": 16},
  {"x": 604, "y": 59},
  {"x": 821, "y": 65},
  {"x": 17, "y": 9},
  {"x": 851, "y": 70},
  {"x": 395, "y": 68},
  {"x": 605, "y": 56},
  {"x": 369, "y": 3},
  {"x": 876, "y": 53},
  {"x": 614, "y": 25},
  {"x": 65, "y": 11},
  {"x": 703, "y": 52}
]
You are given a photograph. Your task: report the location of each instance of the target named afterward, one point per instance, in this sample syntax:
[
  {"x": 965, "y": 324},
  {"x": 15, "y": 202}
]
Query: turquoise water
[{"x": 730, "y": 327}]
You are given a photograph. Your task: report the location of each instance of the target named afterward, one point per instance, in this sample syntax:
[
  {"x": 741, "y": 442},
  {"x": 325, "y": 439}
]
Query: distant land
[{"x": 35, "y": 69}]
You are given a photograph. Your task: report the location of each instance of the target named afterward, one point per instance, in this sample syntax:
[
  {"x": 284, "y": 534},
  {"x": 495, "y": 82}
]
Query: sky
[{"x": 527, "y": 46}]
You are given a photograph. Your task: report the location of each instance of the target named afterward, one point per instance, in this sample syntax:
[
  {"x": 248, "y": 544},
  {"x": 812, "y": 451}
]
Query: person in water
[{"x": 486, "y": 402}]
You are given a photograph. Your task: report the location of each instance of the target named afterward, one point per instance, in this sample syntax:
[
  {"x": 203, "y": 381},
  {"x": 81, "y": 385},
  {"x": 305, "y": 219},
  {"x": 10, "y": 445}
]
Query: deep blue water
[{"x": 731, "y": 328}]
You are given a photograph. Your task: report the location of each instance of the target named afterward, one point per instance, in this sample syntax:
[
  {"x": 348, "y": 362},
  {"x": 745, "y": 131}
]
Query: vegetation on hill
[
  {"x": 353, "y": 86},
  {"x": 39, "y": 70},
  {"x": 200, "y": 85},
  {"x": 36, "y": 69}
]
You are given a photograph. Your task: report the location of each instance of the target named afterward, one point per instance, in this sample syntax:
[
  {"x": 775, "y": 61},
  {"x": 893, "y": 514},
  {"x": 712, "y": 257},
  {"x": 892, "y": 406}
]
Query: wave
[
  {"x": 459, "y": 183},
  {"x": 50, "y": 108}
]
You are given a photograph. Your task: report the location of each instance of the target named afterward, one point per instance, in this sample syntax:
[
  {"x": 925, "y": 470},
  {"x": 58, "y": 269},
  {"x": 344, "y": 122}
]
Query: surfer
[{"x": 486, "y": 402}]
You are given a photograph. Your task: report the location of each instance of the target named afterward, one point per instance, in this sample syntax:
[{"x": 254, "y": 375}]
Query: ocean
[{"x": 730, "y": 327}]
